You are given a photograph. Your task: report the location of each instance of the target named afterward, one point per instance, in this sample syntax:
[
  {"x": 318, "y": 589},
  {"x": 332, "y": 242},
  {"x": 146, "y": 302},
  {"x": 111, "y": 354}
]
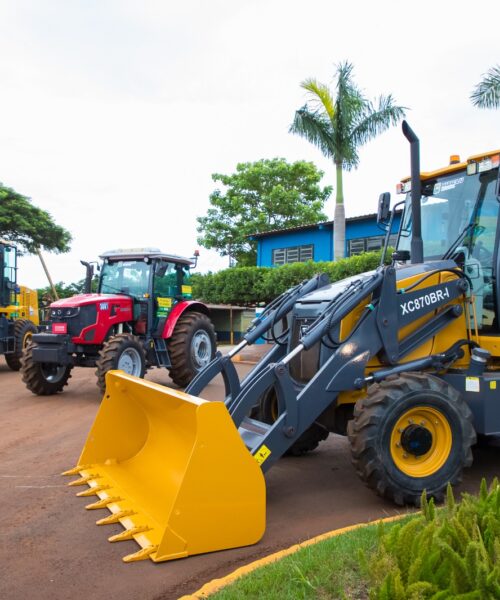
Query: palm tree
[
  {"x": 338, "y": 124},
  {"x": 486, "y": 94}
]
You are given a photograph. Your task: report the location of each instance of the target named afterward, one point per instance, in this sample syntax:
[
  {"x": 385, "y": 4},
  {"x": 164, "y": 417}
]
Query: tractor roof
[{"x": 138, "y": 253}]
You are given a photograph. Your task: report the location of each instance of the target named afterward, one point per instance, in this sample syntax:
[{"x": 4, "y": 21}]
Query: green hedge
[{"x": 253, "y": 285}]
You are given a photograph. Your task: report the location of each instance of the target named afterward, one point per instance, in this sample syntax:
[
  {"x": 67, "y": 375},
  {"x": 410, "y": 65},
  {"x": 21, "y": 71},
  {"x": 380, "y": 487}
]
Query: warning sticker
[
  {"x": 187, "y": 289},
  {"x": 472, "y": 384},
  {"x": 493, "y": 385},
  {"x": 262, "y": 454},
  {"x": 164, "y": 302}
]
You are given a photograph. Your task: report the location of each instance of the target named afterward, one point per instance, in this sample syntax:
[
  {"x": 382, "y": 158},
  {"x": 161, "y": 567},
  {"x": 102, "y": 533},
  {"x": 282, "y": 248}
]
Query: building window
[
  {"x": 293, "y": 254},
  {"x": 369, "y": 244}
]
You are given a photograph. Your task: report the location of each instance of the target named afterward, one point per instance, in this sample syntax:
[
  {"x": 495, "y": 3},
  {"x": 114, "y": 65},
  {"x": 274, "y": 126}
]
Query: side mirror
[{"x": 384, "y": 207}]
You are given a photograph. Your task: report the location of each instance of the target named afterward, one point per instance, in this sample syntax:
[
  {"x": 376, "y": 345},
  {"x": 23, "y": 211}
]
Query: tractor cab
[
  {"x": 459, "y": 208},
  {"x": 154, "y": 281}
]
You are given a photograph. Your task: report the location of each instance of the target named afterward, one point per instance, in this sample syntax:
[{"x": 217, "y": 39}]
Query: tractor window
[
  {"x": 165, "y": 280},
  {"x": 125, "y": 277}
]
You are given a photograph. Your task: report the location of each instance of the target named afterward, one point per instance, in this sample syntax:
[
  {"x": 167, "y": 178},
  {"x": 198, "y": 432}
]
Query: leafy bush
[
  {"x": 254, "y": 285},
  {"x": 449, "y": 553}
]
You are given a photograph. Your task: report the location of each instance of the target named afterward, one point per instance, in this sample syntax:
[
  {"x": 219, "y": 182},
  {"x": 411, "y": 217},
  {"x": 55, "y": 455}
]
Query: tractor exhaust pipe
[
  {"x": 417, "y": 245},
  {"x": 88, "y": 277}
]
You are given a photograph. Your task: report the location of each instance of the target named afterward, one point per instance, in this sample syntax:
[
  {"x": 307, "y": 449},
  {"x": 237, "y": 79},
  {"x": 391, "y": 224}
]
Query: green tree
[
  {"x": 259, "y": 197},
  {"x": 338, "y": 123},
  {"x": 28, "y": 226},
  {"x": 486, "y": 94}
]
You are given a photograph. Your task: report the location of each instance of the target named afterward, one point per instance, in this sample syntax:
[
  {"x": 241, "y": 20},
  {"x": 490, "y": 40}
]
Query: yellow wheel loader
[
  {"x": 404, "y": 360},
  {"x": 18, "y": 309}
]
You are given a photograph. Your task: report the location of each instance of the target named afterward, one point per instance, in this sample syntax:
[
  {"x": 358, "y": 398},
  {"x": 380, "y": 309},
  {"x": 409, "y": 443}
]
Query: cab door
[{"x": 483, "y": 264}]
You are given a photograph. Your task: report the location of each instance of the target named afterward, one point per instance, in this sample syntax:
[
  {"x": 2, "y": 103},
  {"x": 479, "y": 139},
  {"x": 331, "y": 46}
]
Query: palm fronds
[{"x": 487, "y": 92}]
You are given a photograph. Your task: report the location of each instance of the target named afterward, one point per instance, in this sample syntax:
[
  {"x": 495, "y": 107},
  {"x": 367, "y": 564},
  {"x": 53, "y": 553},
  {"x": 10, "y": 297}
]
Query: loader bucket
[{"x": 172, "y": 469}]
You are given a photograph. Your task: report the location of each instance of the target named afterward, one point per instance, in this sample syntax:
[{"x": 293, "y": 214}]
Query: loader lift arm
[
  {"x": 376, "y": 333},
  {"x": 275, "y": 312}
]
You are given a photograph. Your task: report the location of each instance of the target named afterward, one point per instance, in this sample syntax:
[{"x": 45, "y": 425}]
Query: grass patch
[{"x": 329, "y": 569}]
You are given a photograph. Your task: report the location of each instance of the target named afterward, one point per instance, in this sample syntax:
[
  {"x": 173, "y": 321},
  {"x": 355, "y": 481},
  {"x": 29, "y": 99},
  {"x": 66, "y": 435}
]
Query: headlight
[{"x": 60, "y": 313}]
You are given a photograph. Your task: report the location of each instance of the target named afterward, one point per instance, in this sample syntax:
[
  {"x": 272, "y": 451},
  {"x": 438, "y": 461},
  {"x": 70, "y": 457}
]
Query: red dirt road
[{"x": 51, "y": 549}]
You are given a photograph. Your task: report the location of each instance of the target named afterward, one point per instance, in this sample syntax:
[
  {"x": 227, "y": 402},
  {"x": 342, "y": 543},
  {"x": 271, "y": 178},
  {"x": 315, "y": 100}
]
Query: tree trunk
[{"x": 339, "y": 218}]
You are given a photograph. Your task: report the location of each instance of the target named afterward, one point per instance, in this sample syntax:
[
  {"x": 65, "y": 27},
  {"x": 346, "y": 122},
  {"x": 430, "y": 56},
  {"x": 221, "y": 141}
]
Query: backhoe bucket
[{"x": 172, "y": 469}]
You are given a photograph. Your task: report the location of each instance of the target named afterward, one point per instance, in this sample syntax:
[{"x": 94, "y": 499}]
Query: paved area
[{"x": 51, "y": 549}]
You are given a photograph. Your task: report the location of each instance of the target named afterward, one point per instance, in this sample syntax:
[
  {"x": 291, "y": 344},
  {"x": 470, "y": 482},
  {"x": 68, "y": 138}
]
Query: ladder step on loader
[{"x": 173, "y": 470}]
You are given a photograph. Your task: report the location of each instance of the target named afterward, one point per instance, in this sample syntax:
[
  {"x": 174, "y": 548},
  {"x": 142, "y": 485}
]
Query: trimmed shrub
[{"x": 254, "y": 285}]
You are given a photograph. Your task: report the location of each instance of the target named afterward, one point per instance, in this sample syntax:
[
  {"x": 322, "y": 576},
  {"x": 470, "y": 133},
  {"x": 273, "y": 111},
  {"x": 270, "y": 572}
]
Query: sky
[{"x": 114, "y": 114}]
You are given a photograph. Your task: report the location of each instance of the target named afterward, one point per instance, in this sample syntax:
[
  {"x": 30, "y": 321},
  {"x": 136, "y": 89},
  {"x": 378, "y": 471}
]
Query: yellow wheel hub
[
  {"x": 27, "y": 338},
  {"x": 421, "y": 441}
]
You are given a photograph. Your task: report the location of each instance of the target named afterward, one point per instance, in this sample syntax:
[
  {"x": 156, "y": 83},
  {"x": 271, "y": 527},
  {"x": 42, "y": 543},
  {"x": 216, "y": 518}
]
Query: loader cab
[
  {"x": 8, "y": 269},
  {"x": 459, "y": 220}
]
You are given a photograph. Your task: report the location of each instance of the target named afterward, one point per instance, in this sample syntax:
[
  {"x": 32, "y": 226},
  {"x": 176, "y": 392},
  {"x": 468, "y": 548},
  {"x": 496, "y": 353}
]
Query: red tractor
[{"x": 142, "y": 316}]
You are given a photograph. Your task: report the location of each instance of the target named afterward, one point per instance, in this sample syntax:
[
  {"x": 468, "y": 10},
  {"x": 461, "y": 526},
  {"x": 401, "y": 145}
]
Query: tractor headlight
[{"x": 61, "y": 313}]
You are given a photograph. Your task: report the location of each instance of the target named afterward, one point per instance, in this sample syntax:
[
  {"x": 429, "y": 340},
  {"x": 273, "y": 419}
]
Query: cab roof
[{"x": 138, "y": 253}]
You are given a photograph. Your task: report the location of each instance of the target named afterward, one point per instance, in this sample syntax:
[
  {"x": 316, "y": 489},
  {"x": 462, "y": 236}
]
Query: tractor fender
[{"x": 178, "y": 310}]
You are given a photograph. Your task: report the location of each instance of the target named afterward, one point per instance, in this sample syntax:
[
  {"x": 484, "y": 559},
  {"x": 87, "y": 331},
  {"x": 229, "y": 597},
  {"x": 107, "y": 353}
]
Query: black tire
[
  {"x": 268, "y": 412},
  {"x": 398, "y": 457},
  {"x": 43, "y": 379},
  {"x": 23, "y": 330},
  {"x": 191, "y": 347},
  {"x": 124, "y": 352}
]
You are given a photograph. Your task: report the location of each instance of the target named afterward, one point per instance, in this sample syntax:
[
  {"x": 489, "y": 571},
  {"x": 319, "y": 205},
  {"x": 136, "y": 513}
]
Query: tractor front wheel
[
  {"x": 411, "y": 433},
  {"x": 124, "y": 352},
  {"x": 191, "y": 347},
  {"x": 43, "y": 379},
  {"x": 23, "y": 331}
]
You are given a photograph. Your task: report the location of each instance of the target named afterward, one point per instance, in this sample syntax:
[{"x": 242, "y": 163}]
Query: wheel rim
[
  {"x": 201, "y": 349},
  {"x": 130, "y": 362},
  {"x": 53, "y": 373},
  {"x": 27, "y": 339},
  {"x": 421, "y": 441}
]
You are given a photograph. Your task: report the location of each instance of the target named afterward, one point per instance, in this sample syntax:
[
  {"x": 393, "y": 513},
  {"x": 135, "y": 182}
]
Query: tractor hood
[{"x": 87, "y": 299}]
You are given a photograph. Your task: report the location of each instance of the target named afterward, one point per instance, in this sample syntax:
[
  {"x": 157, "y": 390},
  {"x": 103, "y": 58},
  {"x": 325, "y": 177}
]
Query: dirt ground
[{"x": 51, "y": 549}]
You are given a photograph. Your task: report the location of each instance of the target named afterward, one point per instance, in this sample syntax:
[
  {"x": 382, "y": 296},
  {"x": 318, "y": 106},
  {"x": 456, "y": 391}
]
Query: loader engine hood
[{"x": 325, "y": 294}]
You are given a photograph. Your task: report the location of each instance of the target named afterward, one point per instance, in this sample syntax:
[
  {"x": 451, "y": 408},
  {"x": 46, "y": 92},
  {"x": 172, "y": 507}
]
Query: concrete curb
[{"x": 217, "y": 584}]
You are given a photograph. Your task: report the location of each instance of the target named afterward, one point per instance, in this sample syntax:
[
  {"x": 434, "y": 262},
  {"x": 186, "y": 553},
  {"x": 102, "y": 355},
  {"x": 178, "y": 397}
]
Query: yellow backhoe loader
[
  {"x": 404, "y": 360},
  {"x": 18, "y": 309}
]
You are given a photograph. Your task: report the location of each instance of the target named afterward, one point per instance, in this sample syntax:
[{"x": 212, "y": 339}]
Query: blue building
[{"x": 315, "y": 242}]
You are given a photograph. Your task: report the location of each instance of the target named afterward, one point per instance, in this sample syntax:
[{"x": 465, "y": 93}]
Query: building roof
[{"x": 322, "y": 225}]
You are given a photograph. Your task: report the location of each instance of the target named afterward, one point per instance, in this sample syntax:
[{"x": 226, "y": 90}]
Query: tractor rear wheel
[
  {"x": 268, "y": 412},
  {"x": 43, "y": 379},
  {"x": 191, "y": 347},
  {"x": 411, "y": 433},
  {"x": 23, "y": 331},
  {"x": 124, "y": 352}
]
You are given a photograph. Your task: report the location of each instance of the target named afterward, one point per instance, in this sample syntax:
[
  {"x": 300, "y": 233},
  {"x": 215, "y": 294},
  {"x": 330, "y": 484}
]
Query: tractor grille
[
  {"x": 77, "y": 318},
  {"x": 305, "y": 365}
]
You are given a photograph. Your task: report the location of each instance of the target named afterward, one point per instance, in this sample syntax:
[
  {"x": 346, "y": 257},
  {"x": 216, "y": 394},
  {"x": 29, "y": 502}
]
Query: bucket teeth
[
  {"x": 115, "y": 517},
  {"x": 128, "y": 534},
  {"x": 140, "y": 554},
  {"x": 104, "y": 502},
  {"x": 93, "y": 491},
  {"x": 76, "y": 470},
  {"x": 83, "y": 480}
]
